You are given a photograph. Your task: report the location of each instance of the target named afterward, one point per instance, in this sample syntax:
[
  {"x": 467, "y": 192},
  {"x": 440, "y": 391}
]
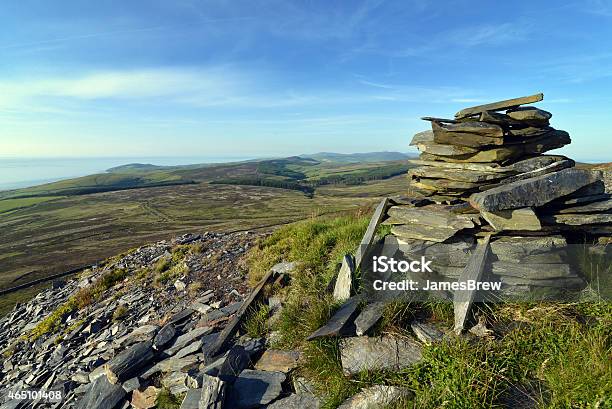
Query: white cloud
[
  {"x": 132, "y": 84},
  {"x": 198, "y": 88}
]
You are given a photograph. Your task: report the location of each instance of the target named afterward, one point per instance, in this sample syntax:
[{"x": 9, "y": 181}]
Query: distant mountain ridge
[
  {"x": 303, "y": 172},
  {"x": 358, "y": 157}
]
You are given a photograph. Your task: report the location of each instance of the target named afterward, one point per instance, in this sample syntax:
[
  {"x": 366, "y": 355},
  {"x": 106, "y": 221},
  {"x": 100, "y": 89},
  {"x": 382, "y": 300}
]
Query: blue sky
[{"x": 265, "y": 78}]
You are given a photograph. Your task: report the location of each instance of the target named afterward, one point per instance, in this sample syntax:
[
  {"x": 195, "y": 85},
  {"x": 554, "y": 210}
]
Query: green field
[
  {"x": 42, "y": 235},
  {"x": 9, "y": 205}
]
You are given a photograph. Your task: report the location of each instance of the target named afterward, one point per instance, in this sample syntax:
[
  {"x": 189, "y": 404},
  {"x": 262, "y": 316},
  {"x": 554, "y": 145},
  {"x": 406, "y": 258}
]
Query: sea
[{"x": 20, "y": 172}]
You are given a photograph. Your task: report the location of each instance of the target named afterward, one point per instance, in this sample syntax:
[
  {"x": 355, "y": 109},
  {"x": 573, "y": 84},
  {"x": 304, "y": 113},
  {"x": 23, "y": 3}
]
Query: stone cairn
[{"x": 484, "y": 174}]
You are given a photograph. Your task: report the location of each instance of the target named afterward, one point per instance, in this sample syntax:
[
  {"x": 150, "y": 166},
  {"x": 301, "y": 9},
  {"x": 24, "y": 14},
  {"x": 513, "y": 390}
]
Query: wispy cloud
[
  {"x": 448, "y": 41},
  {"x": 577, "y": 69},
  {"x": 223, "y": 87},
  {"x": 489, "y": 34},
  {"x": 209, "y": 84},
  {"x": 597, "y": 7}
]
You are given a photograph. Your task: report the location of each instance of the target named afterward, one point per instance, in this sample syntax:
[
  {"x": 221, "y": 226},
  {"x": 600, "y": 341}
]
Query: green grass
[
  {"x": 256, "y": 324},
  {"x": 83, "y": 298},
  {"x": 166, "y": 400},
  {"x": 8, "y": 205},
  {"x": 102, "y": 182},
  {"x": 559, "y": 355}
]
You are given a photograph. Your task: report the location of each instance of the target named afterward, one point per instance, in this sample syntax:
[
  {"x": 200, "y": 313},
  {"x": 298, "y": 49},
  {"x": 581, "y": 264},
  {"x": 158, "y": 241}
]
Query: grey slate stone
[
  {"x": 533, "y": 192},
  {"x": 374, "y": 353},
  {"x": 377, "y": 397},
  {"x": 296, "y": 401},
  {"x": 427, "y": 333},
  {"x": 212, "y": 395},
  {"x": 191, "y": 400},
  {"x": 255, "y": 388},
  {"x": 369, "y": 316},
  {"x": 101, "y": 394},
  {"x": 235, "y": 362},
  {"x": 164, "y": 336}
]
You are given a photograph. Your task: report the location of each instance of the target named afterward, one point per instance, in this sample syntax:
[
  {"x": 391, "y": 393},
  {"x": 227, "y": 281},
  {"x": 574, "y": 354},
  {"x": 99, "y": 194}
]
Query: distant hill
[
  {"x": 136, "y": 167},
  {"x": 358, "y": 157},
  {"x": 304, "y": 172}
]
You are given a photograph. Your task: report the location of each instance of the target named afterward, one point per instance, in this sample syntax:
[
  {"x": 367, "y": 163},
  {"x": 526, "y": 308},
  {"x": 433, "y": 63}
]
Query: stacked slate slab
[{"x": 485, "y": 172}]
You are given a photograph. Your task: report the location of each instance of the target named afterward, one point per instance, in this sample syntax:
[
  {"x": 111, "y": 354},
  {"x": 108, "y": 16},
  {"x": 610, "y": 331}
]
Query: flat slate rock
[
  {"x": 255, "y": 388},
  {"x": 423, "y": 232},
  {"x": 377, "y": 397},
  {"x": 278, "y": 360},
  {"x": 462, "y": 175},
  {"x": 516, "y": 248},
  {"x": 514, "y": 219},
  {"x": 531, "y": 115},
  {"x": 533, "y": 192},
  {"x": 600, "y": 206},
  {"x": 374, "y": 353},
  {"x": 422, "y": 137},
  {"x": 454, "y": 252},
  {"x": 500, "y": 119},
  {"x": 499, "y": 106},
  {"x": 553, "y": 140},
  {"x": 532, "y": 271},
  {"x": 579, "y": 219},
  {"x": 472, "y": 127},
  {"x": 129, "y": 362},
  {"x": 569, "y": 283},
  {"x": 191, "y": 399},
  {"x": 444, "y": 184},
  {"x": 186, "y": 339},
  {"x": 488, "y": 155},
  {"x": 445, "y": 150},
  {"x": 533, "y": 163},
  {"x": 479, "y": 167},
  {"x": 530, "y": 132},
  {"x": 432, "y": 215},
  {"x": 427, "y": 333},
  {"x": 296, "y": 401},
  {"x": 101, "y": 394},
  {"x": 451, "y": 135},
  {"x": 553, "y": 167},
  {"x": 568, "y": 202}
]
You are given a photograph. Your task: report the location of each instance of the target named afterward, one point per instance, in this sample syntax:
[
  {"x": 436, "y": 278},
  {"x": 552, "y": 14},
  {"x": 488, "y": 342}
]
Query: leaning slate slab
[
  {"x": 498, "y": 106},
  {"x": 369, "y": 316},
  {"x": 129, "y": 362},
  {"x": 212, "y": 393},
  {"x": 101, "y": 394},
  {"x": 378, "y": 353},
  {"x": 255, "y": 388},
  {"x": 532, "y": 192},
  {"x": 341, "y": 323}
]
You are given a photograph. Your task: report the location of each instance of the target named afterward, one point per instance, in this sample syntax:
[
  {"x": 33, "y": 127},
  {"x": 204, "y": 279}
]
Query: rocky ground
[{"x": 137, "y": 327}]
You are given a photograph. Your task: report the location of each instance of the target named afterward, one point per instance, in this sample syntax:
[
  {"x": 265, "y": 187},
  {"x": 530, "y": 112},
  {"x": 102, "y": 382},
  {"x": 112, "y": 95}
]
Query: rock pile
[{"x": 484, "y": 173}]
